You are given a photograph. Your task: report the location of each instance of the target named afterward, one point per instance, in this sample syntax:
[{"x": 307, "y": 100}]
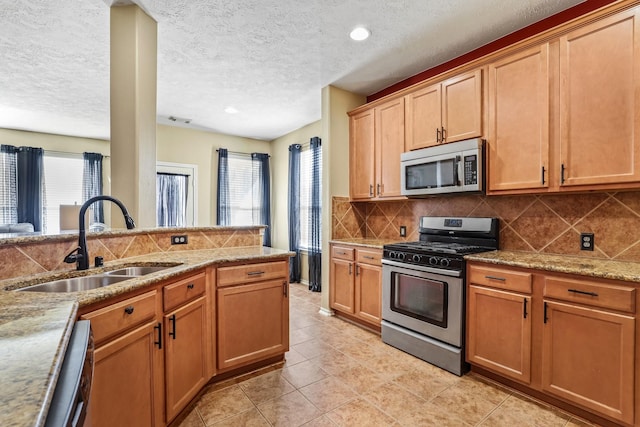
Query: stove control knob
[
  {"x": 392, "y": 255},
  {"x": 433, "y": 260},
  {"x": 400, "y": 256},
  {"x": 444, "y": 262},
  {"x": 416, "y": 258}
]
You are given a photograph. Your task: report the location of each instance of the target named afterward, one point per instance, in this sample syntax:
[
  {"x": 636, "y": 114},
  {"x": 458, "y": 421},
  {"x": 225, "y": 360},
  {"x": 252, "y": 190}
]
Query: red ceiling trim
[{"x": 531, "y": 30}]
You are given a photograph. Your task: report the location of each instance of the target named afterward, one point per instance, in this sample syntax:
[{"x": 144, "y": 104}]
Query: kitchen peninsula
[{"x": 35, "y": 327}]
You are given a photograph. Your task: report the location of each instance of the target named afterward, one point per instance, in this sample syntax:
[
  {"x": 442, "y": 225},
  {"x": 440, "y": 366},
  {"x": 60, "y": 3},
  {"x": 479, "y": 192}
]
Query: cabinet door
[
  {"x": 600, "y": 102},
  {"x": 362, "y": 155},
  {"x": 127, "y": 381},
  {"x": 368, "y": 293},
  {"x": 588, "y": 358},
  {"x": 423, "y": 118},
  {"x": 341, "y": 284},
  {"x": 499, "y": 332},
  {"x": 389, "y": 122},
  {"x": 518, "y": 131},
  {"x": 253, "y": 322},
  {"x": 462, "y": 107},
  {"x": 186, "y": 337}
]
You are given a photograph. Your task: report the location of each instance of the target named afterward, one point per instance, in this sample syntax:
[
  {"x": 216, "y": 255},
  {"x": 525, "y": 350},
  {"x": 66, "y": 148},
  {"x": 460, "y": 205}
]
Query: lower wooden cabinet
[
  {"x": 499, "y": 330},
  {"x": 568, "y": 337},
  {"x": 253, "y": 317},
  {"x": 588, "y": 358},
  {"x": 356, "y": 283},
  {"x": 185, "y": 354},
  {"x": 128, "y": 381}
]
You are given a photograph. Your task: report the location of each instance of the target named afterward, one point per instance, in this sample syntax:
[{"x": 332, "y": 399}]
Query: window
[
  {"x": 176, "y": 199},
  {"x": 62, "y": 186},
  {"x": 305, "y": 197},
  {"x": 244, "y": 194}
]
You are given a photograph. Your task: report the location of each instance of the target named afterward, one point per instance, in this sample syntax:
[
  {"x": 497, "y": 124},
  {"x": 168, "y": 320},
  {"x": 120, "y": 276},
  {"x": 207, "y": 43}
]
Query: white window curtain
[{"x": 171, "y": 191}]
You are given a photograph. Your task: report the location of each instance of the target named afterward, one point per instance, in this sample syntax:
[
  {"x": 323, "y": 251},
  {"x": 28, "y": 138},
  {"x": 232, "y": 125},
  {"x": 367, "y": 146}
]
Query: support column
[{"x": 133, "y": 114}]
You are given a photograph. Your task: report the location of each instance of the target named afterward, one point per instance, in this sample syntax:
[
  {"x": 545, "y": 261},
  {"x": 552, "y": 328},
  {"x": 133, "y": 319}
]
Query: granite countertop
[
  {"x": 590, "y": 267},
  {"x": 367, "y": 243},
  {"x": 35, "y": 327}
]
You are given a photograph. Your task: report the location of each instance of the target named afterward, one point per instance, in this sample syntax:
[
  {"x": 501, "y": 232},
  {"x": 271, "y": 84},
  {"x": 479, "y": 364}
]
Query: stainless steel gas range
[{"x": 423, "y": 289}]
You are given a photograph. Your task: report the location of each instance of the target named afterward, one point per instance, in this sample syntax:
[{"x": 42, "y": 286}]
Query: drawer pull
[
  {"x": 129, "y": 309},
  {"x": 545, "y": 317},
  {"x": 525, "y": 308},
  {"x": 190, "y": 286},
  {"x": 284, "y": 289},
  {"x": 367, "y": 257},
  {"x": 341, "y": 253},
  {"x": 158, "y": 327},
  {"x": 172, "y": 320},
  {"x": 255, "y": 273},
  {"x": 577, "y": 291},
  {"x": 502, "y": 279}
]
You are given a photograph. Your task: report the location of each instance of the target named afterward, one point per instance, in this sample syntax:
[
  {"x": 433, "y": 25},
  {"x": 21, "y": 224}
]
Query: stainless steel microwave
[{"x": 448, "y": 168}]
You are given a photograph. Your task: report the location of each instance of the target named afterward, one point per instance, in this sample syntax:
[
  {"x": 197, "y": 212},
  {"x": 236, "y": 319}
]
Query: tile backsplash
[
  {"x": 533, "y": 223},
  {"x": 25, "y": 258}
]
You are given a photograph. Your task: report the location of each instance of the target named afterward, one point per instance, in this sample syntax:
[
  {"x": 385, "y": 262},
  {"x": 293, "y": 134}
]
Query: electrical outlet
[
  {"x": 179, "y": 240},
  {"x": 403, "y": 231},
  {"x": 586, "y": 241}
]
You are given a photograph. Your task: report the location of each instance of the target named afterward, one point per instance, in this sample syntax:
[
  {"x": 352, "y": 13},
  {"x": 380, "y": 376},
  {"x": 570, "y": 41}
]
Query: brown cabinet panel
[
  {"x": 362, "y": 155},
  {"x": 253, "y": 322},
  {"x": 518, "y": 131},
  {"x": 588, "y": 359},
  {"x": 596, "y": 294},
  {"x": 185, "y": 290},
  {"x": 424, "y": 112},
  {"x": 187, "y": 344},
  {"x": 342, "y": 285},
  {"x": 342, "y": 252},
  {"x": 390, "y": 142},
  {"x": 501, "y": 278},
  {"x": 256, "y": 272},
  {"x": 126, "y": 381},
  {"x": 600, "y": 102},
  {"x": 368, "y": 292},
  {"x": 462, "y": 107},
  {"x": 499, "y": 332}
]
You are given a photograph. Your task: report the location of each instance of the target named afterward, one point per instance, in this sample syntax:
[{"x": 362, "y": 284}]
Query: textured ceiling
[{"x": 267, "y": 58}]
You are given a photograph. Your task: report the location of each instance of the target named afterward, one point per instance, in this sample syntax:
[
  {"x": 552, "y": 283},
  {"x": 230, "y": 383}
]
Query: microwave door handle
[{"x": 457, "y": 172}]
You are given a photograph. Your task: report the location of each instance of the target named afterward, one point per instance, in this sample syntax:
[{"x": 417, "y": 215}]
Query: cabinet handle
[
  {"x": 502, "y": 279},
  {"x": 371, "y": 190},
  {"x": 128, "y": 309},
  {"x": 543, "y": 170},
  {"x": 341, "y": 253},
  {"x": 525, "y": 308},
  {"x": 562, "y": 173},
  {"x": 444, "y": 134},
  {"x": 357, "y": 270},
  {"x": 577, "y": 291},
  {"x": 255, "y": 273},
  {"x": 349, "y": 269},
  {"x": 190, "y": 286},
  {"x": 172, "y": 319},
  {"x": 545, "y": 313},
  {"x": 367, "y": 257},
  {"x": 437, "y": 135},
  {"x": 284, "y": 289},
  {"x": 158, "y": 327},
  {"x": 378, "y": 189}
]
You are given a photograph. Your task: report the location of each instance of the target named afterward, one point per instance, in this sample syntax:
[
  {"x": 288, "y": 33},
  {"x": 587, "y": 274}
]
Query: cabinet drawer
[
  {"x": 185, "y": 290},
  {"x": 500, "y": 278},
  {"x": 252, "y": 273},
  {"x": 120, "y": 317},
  {"x": 591, "y": 293},
  {"x": 366, "y": 256},
  {"x": 342, "y": 252}
]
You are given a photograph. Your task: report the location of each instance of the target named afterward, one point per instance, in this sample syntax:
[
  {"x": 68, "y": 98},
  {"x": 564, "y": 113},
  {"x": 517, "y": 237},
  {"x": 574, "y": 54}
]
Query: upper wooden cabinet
[
  {"x": 376, "y": 142},
  {"x": 600, "y": 102},
  {"x": 518, "y": 131},
  {"x": 445, "y": 112}
]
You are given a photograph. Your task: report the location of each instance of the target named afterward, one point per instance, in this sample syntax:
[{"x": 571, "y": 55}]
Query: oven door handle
[{"x": 422, "y": 268}]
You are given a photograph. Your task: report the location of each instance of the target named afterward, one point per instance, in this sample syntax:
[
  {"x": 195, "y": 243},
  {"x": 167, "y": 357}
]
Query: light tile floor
[{"x": 338, "y": 374}]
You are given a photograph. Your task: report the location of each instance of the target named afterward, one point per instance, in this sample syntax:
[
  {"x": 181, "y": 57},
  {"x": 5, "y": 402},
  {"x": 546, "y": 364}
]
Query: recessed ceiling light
[
  {"x": 231, "y": 110},
  {"x": 359, "y": 34}
]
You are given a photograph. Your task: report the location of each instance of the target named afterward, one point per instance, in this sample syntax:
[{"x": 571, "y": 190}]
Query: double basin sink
[{"x": 94, "y": 281}]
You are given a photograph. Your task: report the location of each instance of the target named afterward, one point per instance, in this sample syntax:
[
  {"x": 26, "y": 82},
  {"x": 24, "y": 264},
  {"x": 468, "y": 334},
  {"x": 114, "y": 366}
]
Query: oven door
[{"x": 426, "y": 300}]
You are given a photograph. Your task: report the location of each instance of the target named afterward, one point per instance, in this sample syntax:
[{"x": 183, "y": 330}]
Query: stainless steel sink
[
  {"x": 76, "y": 284},
  {"x": 137, "y": 270}
]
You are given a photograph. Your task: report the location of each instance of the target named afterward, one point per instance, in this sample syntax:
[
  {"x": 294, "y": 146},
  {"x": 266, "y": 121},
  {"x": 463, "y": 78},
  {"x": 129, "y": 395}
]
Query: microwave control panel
[{"x": 471, "y": 170}]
